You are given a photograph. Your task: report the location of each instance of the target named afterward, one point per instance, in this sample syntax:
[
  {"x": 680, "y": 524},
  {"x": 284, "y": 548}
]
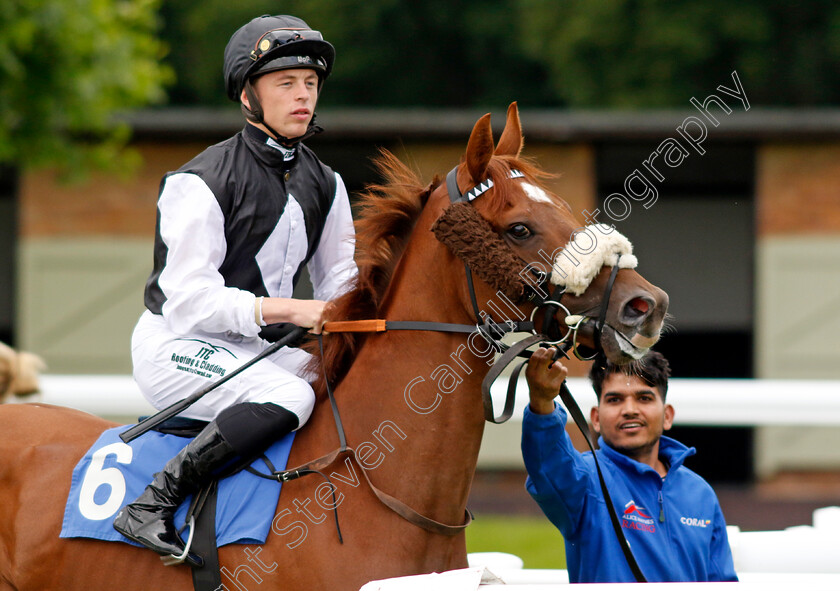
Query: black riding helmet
[{"x": 269, "y": 43}]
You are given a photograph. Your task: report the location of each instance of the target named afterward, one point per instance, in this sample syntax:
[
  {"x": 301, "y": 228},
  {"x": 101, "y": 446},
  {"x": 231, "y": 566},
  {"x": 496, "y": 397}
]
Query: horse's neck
[{"x": 415, "y": 395}]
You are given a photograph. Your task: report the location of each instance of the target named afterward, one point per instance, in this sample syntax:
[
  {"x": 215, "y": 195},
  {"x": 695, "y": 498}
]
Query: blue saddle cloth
[{"x": 113, "y": 473}]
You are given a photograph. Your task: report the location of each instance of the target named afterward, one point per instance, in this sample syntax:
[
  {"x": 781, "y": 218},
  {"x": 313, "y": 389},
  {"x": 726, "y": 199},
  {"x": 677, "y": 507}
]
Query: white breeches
[{"x": 169, "y": 367}]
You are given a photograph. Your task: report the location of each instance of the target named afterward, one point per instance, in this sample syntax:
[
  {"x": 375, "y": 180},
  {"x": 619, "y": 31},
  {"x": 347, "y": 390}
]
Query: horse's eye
[{"x": 519, "y": 231}]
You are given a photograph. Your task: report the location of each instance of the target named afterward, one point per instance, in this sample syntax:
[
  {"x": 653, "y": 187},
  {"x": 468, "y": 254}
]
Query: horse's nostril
[{"x": 637, "y": 307}]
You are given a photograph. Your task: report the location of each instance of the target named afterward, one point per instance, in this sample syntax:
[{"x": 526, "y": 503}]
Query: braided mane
[{"x": 387, "y": 213}]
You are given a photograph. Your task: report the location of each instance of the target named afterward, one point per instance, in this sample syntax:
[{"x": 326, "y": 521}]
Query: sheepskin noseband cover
[
  {"x": 597, "y": 246},
  {"x": 470, "y": 238}
]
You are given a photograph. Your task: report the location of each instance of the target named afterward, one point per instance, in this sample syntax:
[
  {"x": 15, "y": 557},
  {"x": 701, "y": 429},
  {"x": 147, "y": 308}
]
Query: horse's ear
[
  {"x": 480, "y": 148},
  {"x": 510, "y": 144}
]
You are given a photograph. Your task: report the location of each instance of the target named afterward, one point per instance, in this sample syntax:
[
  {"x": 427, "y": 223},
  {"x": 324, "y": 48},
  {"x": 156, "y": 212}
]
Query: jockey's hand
[
  {"x": 306, "y": 313},
  {"x": 544, "y": 376}
]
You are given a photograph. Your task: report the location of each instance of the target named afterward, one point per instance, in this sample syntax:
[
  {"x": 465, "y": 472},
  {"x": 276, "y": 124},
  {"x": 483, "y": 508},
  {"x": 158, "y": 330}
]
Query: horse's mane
[{"x": 386, "y": 216}]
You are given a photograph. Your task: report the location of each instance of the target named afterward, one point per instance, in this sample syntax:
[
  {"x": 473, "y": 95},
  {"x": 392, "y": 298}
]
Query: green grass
[{"x": 534, "y": 539}]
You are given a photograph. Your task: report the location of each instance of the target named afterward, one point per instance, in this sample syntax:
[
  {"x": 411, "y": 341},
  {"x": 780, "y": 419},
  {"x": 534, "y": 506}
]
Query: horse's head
[{"x": 524, "y": 242}]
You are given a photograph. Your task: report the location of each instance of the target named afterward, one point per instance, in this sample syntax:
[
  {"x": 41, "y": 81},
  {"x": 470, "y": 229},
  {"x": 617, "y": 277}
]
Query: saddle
[{"x": 238, "y": 508}]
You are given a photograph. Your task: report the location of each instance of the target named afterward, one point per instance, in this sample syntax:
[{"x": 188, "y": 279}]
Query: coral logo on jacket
[
  {"x": 695, "y": 521},
  {"x": 636, "y": 517}
]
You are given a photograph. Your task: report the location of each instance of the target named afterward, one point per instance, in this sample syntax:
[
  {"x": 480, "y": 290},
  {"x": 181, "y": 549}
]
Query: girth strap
[{"x": 206, "y": 577}]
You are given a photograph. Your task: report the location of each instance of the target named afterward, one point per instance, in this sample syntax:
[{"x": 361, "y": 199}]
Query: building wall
[
  {"x": 86, "y": 249},
  {"x": 798, "y": 290},
  {"x": 85, "y": 252}
]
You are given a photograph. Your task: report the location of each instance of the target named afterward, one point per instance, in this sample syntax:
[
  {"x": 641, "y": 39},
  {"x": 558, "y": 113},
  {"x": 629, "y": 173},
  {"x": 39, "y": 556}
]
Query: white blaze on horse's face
[{"x": 536, "y": 194}]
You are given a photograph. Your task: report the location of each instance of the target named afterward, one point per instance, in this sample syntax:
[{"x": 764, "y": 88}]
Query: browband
[
  {"x": 477, "y": 191},
  {"x": 575, "y": 267}
]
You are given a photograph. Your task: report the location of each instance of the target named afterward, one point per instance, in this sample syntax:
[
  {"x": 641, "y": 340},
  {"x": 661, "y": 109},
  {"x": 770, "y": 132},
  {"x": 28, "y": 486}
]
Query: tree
[
  {"x": 659, "y": 53},
  {"x": 66, "y": 66},
  {"x": 544, "y": 53},
  {"x": 435, "y": 53}
]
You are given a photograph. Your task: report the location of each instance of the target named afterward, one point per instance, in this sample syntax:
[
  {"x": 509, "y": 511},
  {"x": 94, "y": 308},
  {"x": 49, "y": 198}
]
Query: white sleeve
[
  {"x": 332, "y": 266},
  {"x": 192, "y": 227}
]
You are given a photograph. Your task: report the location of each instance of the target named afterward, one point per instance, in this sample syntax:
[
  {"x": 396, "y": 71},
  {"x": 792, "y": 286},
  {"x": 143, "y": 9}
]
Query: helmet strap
[{"x": 255, "y": 114}]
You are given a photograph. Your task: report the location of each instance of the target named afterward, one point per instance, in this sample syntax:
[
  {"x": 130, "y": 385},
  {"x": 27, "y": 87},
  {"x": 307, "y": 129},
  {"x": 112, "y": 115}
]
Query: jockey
[{"x": 235, "y": 227}]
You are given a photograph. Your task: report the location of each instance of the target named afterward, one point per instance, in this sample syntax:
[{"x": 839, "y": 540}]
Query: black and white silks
[{"x": 240, "y": 221}]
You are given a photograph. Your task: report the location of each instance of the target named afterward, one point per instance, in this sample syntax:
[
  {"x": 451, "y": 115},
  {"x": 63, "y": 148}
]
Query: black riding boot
[
  {"x": 149, "y": 519},
  {"x": 240, "y": 432}
]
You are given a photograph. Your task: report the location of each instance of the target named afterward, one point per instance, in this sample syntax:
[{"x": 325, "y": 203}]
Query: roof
[{"x": 546, "y": 125}]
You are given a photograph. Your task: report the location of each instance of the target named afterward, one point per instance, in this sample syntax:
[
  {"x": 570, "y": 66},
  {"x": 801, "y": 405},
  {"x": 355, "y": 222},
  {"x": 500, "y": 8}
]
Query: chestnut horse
[{"x": 409, "y": 400}]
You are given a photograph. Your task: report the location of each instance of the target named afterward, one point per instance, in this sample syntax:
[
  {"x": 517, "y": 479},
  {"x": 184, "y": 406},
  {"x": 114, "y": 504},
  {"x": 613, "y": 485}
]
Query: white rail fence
[
  {"x": 779, "y": 409},
  {"x": 806, "y": 556},
  {"x": 711, "y": 402}
]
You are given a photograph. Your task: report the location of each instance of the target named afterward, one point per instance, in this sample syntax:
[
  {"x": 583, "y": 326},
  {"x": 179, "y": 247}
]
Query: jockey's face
[{"x": 288, "y": 100}]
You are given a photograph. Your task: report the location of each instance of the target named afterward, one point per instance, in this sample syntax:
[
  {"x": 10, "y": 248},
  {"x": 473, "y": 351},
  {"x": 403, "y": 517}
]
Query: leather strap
[
  {"x": 430, "y": 326},
  {"x": 452, "y": 186},
  {"x": 373, "y": 325},
  {"x": 411, "y": 515},
  {"x": 605, "y": 303},
  {"x": 501, "y": 363},
  {"x": 471, "y": 289},
  {"x": 549, "y": 324},
  {"x": 342, "y": 439},
  {"x": 207, "y": 577},
  {"x": 389, "y": 501},
  {"x": 397, "y": 506},
  {"x": 379, "y": 325}
]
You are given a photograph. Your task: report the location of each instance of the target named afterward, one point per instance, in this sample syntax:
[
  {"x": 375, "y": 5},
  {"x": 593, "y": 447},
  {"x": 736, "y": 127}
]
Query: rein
[
  {"x": 520, "y": 349},
  {"x": 491, "y": 331},
  {"x": 316, "y": 466}
]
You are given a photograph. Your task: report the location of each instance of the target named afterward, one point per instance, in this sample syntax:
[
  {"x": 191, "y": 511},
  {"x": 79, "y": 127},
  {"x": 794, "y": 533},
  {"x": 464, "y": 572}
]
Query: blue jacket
[{"x": 675, "y": 526}]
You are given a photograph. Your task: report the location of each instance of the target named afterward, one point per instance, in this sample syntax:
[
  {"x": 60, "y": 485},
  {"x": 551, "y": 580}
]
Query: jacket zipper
[{"x": 661, "y": 508}]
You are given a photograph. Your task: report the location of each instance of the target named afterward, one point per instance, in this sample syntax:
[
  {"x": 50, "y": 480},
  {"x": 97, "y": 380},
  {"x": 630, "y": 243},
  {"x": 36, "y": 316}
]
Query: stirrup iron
[{"x": 172, "y": 559}]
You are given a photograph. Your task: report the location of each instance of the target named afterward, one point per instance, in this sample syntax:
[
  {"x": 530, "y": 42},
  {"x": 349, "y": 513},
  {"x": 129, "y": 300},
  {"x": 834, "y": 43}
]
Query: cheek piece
[{"x": 470, "y": 237}]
